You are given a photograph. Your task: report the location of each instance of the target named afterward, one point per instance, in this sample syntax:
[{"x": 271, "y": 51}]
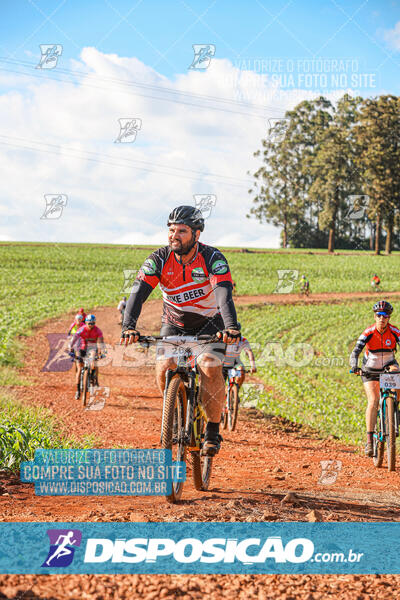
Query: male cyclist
[
  {"x": 232, "y": 359},
  {"x": 380, "y": 341},
  {"x": 197, "y": 292},
  {"x": 87, "y": 338}
]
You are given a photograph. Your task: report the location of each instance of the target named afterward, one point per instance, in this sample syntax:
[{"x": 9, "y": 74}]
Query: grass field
[{"x": 41, "y": 281}]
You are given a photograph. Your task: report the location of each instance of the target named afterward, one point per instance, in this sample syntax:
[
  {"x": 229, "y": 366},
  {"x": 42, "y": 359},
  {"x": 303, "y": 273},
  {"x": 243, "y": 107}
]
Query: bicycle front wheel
[
  {"x": 201, "y": 465},
  {"x": 378, "y": 443},
  {"x": 390, "y": 433},
  {"x": 233, "y": 406},
  {"x": 173, "y": 432},
  {"x": 85, "y": 386}
]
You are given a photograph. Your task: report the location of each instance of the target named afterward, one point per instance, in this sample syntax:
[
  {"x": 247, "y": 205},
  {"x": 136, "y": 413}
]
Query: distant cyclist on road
[
  {"x": 197, "y": 299},
  {"x": 380, "y": 341},
  {"x": 121, "y": 307},
  {"x": 85, "y": 339},
  {"x": 375, "y": 282},
  {"x": 304, "y": 285},
  {"x": 232, "y": 359}
]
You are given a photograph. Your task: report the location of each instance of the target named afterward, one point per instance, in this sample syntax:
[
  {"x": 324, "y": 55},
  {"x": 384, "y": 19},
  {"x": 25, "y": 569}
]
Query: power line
[
  {"x": 130, "y": 163},
  {"x": 51, "y": 74}
]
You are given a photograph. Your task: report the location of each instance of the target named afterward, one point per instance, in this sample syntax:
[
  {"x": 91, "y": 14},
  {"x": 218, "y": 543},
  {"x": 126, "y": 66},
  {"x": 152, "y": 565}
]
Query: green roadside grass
[
  {"x": 24, "y": 428},
  {"x": 302, "y": 354}
]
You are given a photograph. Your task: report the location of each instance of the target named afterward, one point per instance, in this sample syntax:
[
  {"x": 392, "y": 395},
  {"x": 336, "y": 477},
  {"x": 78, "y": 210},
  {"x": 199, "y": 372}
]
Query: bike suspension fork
[{"x": 168, "y": 376}]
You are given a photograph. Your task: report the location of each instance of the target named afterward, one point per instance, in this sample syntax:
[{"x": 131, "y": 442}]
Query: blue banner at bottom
[{"x": 112, "y": 548}]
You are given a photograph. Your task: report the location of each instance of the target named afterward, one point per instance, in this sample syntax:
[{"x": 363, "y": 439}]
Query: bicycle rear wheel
[
  {"x": 224, "y": 418},
  {"x": 233, "y": 407},
  {"x": 174, "y": 429},
  {"x": 85, "y": 386},
  {"x": 390, "y": 433},
  {"x": 201, "y": 465},
  {"x": 378, "y": 443}
]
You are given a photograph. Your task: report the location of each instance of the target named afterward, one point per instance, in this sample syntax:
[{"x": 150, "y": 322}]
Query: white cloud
[
  {"x": 392, "y": 36},
  {"x": 126, "y": 198}
]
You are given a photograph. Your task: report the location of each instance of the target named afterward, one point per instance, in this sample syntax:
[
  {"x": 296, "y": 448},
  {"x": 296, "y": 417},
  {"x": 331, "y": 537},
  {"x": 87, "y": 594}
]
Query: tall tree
[
  {"x": 332, "y": 166},
  {"x": 378, "y": 136}
]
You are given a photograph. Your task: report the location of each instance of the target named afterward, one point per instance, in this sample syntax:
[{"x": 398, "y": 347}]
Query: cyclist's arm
[
  {"x": 74, "y": 340},
  {"x": 141, "y": 292},
  {"x": 358, "y": 348},
  {"x": 147, "y": 279},
  {"x": 250, "y": 354},
  {"x": 223, "y": 295}
]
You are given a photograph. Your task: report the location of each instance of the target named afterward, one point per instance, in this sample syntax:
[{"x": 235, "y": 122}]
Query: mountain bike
[
  {"x": 388, "y": 419},
  {"x": 231, "y": 408},
  {"x": 183, "y": 417},
  {"x": 305, "y": 289},
  {"x": 89, "y": 376}
]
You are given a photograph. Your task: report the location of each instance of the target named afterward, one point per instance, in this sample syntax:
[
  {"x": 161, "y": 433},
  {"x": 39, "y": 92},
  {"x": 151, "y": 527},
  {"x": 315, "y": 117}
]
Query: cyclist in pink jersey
[{"x": 86, "y": 338}]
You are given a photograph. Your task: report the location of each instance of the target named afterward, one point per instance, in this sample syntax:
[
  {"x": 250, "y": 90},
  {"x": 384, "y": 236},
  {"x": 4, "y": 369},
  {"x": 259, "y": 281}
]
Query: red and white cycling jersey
[
  {"x": 233, "y": 352},
  {"x": 380, "y": 348},
  {"x": 85, "y": 336},
  {"x": 187, "y": 290}
]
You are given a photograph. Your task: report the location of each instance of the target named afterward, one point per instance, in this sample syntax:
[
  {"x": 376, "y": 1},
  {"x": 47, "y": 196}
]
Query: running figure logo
[
  {"x": 61, "y": 552},
  {"x": 286, "y": 280},
  {"x": 50, "y": 54},
  {"x": 205, "y": 203},
  {"x": 128, "y": 129},
  {"x": 55, "y": 204},
  {"x": 203, "y": 54},
  {"x": 357, "y": 207}
]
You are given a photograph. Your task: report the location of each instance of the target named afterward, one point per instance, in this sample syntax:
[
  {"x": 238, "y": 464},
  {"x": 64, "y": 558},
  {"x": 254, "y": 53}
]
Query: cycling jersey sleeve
[
  {"x": 141, "y": 291},
  {"x": 223, "y": 295},
  {"x": 358, "y": 348},
  {"x": 218, "y": 268}
]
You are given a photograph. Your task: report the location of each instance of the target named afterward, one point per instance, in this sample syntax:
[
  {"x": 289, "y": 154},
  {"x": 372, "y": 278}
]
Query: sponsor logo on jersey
[
  {"x": 387, "y": 342},
  {"x": 219, "y": 267},
  {"x": 149, "y": 267},
  {"x": 198, "y": 275}
]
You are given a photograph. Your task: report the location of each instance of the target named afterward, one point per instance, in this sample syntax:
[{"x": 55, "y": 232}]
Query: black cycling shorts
[
  {"x": 80, "y": 354},
  {"x": 215, "y": 348}
]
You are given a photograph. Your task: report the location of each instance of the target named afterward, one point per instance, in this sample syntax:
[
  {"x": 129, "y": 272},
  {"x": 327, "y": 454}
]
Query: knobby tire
[{"x": 175, "y": 410}]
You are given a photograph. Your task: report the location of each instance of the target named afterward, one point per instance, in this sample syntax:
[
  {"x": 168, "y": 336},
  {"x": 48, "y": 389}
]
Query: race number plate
[{"x": 390, "y": 381}]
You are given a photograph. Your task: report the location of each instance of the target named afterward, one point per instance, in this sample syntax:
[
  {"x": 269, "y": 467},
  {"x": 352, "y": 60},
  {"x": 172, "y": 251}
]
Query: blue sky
[{"x": 150, "y": 42}]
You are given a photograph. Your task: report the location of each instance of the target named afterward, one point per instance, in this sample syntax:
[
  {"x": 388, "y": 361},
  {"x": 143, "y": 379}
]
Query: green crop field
[
  {"x": 41, "y": 281},
  {"x": 303, "y": 357}
]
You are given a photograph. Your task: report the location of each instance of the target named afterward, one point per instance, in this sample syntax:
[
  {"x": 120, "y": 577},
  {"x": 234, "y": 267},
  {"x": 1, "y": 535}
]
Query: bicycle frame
[
  {"x": 384, "y": 394},
  {"x": 188, "y": 374}
]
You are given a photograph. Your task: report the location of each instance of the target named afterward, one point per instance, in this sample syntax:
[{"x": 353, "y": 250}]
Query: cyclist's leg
[
  {"x": 161, "y": 368},
  {"x": 165, "y": 356},
  {"x": 212, "y": 396},
  {"x": 240, "y": 378},
  {"x": 372, "y": 392}
]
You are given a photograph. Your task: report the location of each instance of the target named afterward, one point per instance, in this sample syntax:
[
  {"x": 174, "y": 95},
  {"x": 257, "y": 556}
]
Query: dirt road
[{"x": 258, "y": 465}]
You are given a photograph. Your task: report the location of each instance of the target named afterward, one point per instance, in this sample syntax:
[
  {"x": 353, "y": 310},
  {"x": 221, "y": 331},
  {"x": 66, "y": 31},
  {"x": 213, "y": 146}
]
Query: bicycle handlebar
[{"x": 153, "y": 339}]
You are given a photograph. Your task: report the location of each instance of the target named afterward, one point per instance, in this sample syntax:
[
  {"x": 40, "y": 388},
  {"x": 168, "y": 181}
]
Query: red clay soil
[{"x": 258, "y": 464}]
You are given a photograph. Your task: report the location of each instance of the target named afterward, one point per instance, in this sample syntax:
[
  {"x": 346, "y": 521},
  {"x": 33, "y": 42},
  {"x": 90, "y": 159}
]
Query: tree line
[{"x": 330, "y": 175}]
